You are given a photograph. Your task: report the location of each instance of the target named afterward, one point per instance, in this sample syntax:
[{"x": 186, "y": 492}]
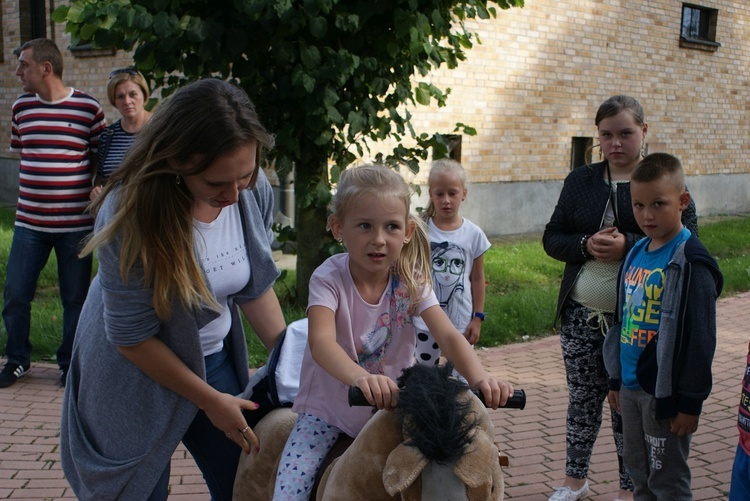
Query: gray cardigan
[{"x": 119, "y": 427}]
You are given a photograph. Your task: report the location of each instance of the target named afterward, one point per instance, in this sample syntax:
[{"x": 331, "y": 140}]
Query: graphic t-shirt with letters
[
  {"x": 223, "y": 256},
  {"x": 743, "y": 417},
  {"x": 644, "y": 285}
]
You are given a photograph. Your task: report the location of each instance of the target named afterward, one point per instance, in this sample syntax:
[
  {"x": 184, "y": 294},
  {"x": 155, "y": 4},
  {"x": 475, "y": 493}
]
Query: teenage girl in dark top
[{"x": 591, "y": 230}]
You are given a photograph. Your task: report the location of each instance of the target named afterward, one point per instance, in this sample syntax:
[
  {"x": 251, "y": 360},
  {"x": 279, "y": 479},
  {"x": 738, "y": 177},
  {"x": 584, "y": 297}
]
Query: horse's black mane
[{"x": 434, "y": 420}]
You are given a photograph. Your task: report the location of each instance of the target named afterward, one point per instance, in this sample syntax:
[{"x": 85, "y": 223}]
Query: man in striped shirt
[{"x": 55, "y": 129}]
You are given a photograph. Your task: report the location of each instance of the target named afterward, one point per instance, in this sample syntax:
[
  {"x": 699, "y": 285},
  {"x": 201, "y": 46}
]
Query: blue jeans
[
  {"x": 740, "y": 487},
  {"x": 29, "y": 253},
  {"x": 216, "y": 455}
]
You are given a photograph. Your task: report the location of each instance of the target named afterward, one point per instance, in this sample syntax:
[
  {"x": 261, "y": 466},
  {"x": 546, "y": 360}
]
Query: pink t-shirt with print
[{"x": 379, "y": 337}]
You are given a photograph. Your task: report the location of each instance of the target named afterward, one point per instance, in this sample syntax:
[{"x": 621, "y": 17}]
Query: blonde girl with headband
[
  {"x": 360, "y": 310},
  {"x": 591, "y": 229}
]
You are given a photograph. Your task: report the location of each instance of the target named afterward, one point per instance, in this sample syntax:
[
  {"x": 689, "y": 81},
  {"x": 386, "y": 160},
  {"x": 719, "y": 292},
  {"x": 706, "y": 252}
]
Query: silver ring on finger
[
  {"x": 244, "y": 429},
  {"x": 229, "y": 433}
]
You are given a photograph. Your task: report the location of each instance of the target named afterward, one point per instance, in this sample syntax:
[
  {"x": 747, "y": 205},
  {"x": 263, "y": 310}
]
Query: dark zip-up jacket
[
  {"x": 675, "y": 366},
  {"x": 579, "y": 212}
]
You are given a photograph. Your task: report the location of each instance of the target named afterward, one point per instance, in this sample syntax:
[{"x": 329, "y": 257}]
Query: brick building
[{"x": 531, "y": 90}]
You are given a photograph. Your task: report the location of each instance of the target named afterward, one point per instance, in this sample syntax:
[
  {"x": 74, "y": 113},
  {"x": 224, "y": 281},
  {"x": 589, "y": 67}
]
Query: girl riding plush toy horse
[{"x": 437, "y": 444}]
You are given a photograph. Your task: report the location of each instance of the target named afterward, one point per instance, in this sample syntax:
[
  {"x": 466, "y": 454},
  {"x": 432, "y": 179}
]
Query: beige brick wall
[{"x": 541, "y": 72}]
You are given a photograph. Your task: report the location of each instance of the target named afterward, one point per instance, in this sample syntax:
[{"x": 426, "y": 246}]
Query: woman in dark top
[
  {"x": 591, "y": 230},
  {"x": 128, "y": 92}
]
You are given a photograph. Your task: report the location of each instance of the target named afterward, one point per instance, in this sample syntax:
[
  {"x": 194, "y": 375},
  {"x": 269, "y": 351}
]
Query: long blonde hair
[
  {"x": 153, "y": 220},
  {"x": 440, "y": 167},
  {"x": 413, "y": 266}
]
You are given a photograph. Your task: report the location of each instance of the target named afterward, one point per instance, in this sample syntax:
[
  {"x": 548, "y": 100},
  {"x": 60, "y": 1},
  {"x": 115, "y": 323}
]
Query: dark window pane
[{"x": 691, "y": 18}]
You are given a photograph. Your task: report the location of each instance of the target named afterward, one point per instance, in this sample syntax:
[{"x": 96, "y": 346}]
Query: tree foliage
[{"x": 329, "y": 77}]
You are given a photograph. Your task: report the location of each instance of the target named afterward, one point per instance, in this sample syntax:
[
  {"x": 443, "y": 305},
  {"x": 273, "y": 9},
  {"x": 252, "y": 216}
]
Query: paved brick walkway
[{"x": 534, "y": 438}]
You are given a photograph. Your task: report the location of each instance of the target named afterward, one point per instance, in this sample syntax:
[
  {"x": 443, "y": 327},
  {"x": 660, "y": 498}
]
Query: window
[
  {"x": 88, "y": 50},
  {"x": 699, "y": 27},
  {"x": 33, "y": 20},
  {"x": 452, "y": 148},
  {"x": 580, "y": 153}
]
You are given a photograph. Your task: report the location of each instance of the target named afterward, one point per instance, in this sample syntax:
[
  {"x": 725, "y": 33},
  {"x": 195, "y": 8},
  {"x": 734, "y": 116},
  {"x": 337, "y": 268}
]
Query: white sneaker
[{"x": 568, "y": 494}]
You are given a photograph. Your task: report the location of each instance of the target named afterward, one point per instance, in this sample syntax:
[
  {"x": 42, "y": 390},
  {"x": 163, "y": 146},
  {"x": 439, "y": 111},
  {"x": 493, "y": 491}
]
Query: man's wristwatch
[{"x": 478, "y": 315}]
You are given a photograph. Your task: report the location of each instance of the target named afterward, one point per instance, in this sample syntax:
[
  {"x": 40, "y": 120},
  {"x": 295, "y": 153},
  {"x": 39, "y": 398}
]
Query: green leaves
[
  {"x": 165, "y": 25},
  {"x": 310, "y": 56},
  {"x": 357, "y": 124},
  {"x": 331, "y": 78},
  {"x": 423, "y": 94},
  {"x": 318, "y": 27}
]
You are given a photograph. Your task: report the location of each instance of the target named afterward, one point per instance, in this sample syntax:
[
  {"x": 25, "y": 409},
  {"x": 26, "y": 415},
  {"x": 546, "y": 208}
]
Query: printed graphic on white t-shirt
[{"x": 221, "y": 248}]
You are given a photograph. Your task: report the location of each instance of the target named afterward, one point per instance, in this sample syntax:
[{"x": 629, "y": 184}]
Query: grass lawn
[{"x": 522, "y": 286}]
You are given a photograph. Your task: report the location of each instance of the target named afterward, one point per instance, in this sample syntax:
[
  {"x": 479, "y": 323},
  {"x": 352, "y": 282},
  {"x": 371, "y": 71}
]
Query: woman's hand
[
  {"x": 496, "y": 393},
  {"x": 160, "y": 363},
  {"x": 225, "y": 413},
  {"x": 380, "y": 391},
  {"x": 95, "y": 192},
  {"x": 607, "y": 245}
]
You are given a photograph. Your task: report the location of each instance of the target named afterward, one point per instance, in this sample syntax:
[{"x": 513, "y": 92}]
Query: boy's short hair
[{"x": 657, "y": 165}]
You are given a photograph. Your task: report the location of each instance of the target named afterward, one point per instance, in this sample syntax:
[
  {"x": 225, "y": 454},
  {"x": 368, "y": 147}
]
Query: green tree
[{"x": 329, "y": 77}]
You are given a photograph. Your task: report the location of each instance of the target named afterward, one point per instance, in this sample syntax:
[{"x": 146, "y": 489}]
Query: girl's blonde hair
[
  {"x": 153, "y": 220},
  {"x": 413, "y": 266},
  {"x": 445, "y": 165}
]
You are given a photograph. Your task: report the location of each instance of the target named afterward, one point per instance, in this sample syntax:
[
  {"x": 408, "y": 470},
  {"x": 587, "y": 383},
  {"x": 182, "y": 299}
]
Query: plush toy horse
[{"x": 437, "y": 444}]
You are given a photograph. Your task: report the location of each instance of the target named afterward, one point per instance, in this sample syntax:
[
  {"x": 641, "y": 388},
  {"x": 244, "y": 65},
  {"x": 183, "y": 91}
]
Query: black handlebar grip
[
  {"x": 357, "y": 398},
  {"x": 516, "y": 401}
]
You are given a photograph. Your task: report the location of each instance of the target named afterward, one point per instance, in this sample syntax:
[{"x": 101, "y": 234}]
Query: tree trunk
[{"x": 313, "y": 241}]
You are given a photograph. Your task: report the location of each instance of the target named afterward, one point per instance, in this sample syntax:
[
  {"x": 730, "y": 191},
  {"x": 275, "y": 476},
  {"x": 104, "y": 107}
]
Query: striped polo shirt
[{"x": 55, "y": 141}]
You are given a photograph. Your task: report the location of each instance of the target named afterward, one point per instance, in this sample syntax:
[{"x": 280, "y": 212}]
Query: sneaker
[
  {"x": 568, "y": 494},
  {"x": 12, "y": 373},
  {"x": 64, "y": 375}
]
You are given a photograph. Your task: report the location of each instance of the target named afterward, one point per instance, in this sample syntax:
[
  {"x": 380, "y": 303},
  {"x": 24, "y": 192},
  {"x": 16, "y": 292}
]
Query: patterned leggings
[
  {"x": 304, "y": 452},
  {"x": 587, "y": 385}
]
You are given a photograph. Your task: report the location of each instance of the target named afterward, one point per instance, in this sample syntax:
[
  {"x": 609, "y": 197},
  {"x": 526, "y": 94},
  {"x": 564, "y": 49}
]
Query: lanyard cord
[{"x": 612, "y": 197}]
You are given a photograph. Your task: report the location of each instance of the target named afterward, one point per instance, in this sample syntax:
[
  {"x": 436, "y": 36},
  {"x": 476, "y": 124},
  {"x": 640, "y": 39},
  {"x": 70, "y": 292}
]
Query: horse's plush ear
[
  {"x": 475, "y": 467},
  {"x": 404, "y": 464}
]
